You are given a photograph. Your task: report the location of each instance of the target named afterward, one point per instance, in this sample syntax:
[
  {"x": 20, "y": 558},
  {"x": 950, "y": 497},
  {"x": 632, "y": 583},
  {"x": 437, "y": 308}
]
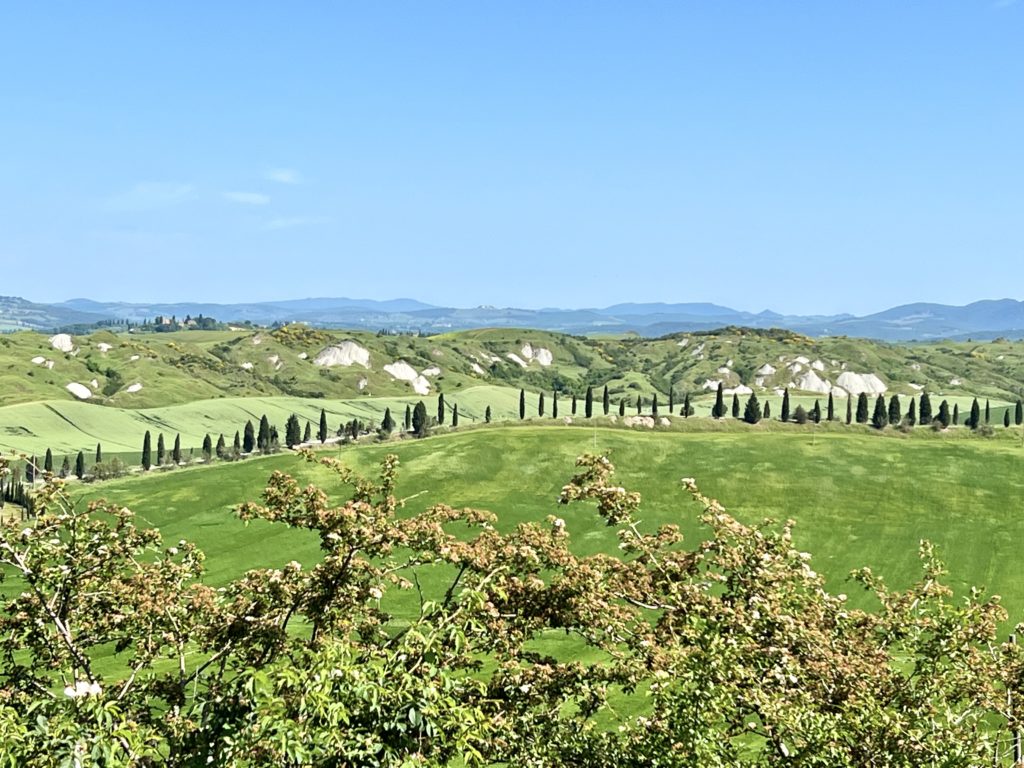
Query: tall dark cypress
[
  {"x": 263, "y": 436},
  {"x": 321, "y": 433},
  {"x": 176, "y": 452},
  {"x": 307, "y": 433},
  {"x": 639, "y": 405},
  {"x": 207, "y": 447},
  {"x": 487, "y": 414},
  {"x": 956, "y": 414},
  {"x": 1006, "y": 418},
  {"x": 554, "y": 404},
  {"x": 540, "y": 405},
  {"x": 573, "y": 405},
  {"x": 1018, "y": 414},
  {"x": 895, "y": 414},
  {"x": 147, "y": 458},
  {"x": 735, "y": 406},
  {"x": 831, "y": 408},
  {"x": 687, "y": 410},
  {"x": 862, "y": 408},
  {"x": 99, "y": 453},
  {"x": 522, "y": 404},
  {"x": 943, "y": 418},
  {"x": 455, "y": 415},
  {"x": 671, "y": 397},
  {"x": 606, "y": 403},
  {"x": 767, "y": 410},
  {"x": 236, "y": 445},
  {"x": 752, "y": 413},
  {"x": 387, "y": 424},
  {"x": 48, "y": 461},
  {"x": 588, "y": 402},
  {"x": 784, "y": 416},
  {"x": 440, "y": 407},
  {"x": 80, "y": 464},
  {"x": 988, "y": 412},
  {"x": 816, "y": 413},
  {"x": 248, "y": 438},
  {"x": 292, "y": 431},
  {"x": 849, "y": 408},
  {"x": 408, "y": 417},
  {"x": 222, "y": 446},
  {"x": 881, "y": 415},
  {"x": 924, "y": 410},
  {"x": 912, "y": 412},
  {"x": 654, "y": 406},
  {"x": 975, "y": 418},
  {"x": 719, "y": 408},
  {"x": 161, "y": 450},
  {"x": 622, "y": 407}
]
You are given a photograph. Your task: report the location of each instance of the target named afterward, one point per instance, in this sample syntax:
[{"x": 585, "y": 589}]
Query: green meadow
[{"x": 858, "y": 498}]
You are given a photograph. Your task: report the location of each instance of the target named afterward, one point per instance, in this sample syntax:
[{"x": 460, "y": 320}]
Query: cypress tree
[
  {"x": 573, "y": 408},
  {"x": 654, "y": 406},
  {"x": 816, "y": 413},
  {"x": 622, "y": 407},
  {"x": 440, "y": 407},
  {"x": 1006, "y": 418},
  {"x": 161, "y": 451},
  {"x": 671, "y": 397},
  {"x": 292, "y": 431},
  {"x": 30, "y": 470},
  {"x": 487, "y": 414},
  {"x": 263, "y": 436},
  {"x": 1018, "y": 415},
  {"x": 606, "y": 403},
  {"x": 895, "y": 415},
  {"x": 639, "y": 405},
  {"x": 881, "y": 415},
  {"x": 79, "y": 465},
  {"x": 862, "y": 408},
  {"x": 752, "y": 412},
  {"x": 321, "y": 433},
  {"x": 719, "y": 409},
  {"x": 176, "y": 452},
  {"x": 48, "y": 461},
  {"x": 831, "y": 408},
  {"x": 65, "y": 467},
  {"x": 956, "y": 414},
  {"x": 735, "y": 406},
  {"x": 236, "y": 445},
  {"x": 588, "y": 402},
  {"x": 522, "y": 404},
  {"x": 99, "y": 453},
  {"x": 420, "y": 424},
  {"x": 924, "y": 411},
  {"x": 249, "y": 438},
  {"x": 408, "y": 416},
  {"x": 767, "y": 410},
  {"x": 849, "y": 408},
  {"x": 912, "y": 412},
  {"x": 687, "y": 410},
  {"x": 554, "y": 404},
  {"x": 387, "y": 425},
  {"x": 988, "y": 412},
  {"x": 540, "y": 405},
  {"x": 222, "y": 446},
  {"x": 207, "y": 448},
  {"x": 147, "y": 460},
  {"x": 307, "y": 433},
  {"x": 455, "y": 414},
  {"x": 784, "y": 416},
  {"x": 975, "y": 418},
  {"x": 943, "y": 417}
]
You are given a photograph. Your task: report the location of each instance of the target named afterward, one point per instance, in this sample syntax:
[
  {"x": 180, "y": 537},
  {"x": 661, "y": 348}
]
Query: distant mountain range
[{"x": 981, "y": 320}]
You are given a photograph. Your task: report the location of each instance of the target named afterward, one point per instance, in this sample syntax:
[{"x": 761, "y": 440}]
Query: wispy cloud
[
  {"x": 150, "y": 195},
  {"x": 247, "y": 198},
  {"x": 284, "y": 176},
  {"x": 290, "y": 222}
]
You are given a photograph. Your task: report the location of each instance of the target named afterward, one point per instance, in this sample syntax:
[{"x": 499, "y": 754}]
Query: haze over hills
[{"x": 919, "y": 321}]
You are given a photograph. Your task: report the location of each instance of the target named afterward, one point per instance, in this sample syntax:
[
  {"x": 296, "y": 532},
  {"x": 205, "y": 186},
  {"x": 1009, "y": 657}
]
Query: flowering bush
[{"x": 733, "y": 649}]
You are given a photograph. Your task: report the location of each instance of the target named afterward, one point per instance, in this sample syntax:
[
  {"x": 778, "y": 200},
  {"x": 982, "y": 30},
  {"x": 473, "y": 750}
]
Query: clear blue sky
[{"x": 809, "y": 157}]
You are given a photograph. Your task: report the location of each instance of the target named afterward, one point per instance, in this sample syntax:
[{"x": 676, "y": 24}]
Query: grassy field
[
  {"x": 858, "y": 498},
  {"x": 67, "y": 427}
]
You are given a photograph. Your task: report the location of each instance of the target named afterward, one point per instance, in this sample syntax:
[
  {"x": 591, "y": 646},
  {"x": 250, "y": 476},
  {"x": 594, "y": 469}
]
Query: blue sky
[{"x": 808, "y": 157}]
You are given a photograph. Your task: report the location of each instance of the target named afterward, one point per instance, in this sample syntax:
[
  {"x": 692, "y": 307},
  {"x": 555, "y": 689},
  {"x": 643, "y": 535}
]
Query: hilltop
[{"x": 148, "y": 370}]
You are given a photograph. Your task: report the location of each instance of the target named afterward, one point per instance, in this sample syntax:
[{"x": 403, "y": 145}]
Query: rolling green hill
[{"x": 858, "y": 498}]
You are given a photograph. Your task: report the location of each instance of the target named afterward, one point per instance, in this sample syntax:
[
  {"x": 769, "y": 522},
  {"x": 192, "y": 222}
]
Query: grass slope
[{"x": 858, "y": 498}]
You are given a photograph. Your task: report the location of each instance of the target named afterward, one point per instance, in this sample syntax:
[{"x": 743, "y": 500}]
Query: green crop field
[{"x": 858, "y": 498}]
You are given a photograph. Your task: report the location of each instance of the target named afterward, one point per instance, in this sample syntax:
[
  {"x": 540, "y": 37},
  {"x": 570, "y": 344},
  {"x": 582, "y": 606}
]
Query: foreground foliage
[{"x": 738, "y": 652}]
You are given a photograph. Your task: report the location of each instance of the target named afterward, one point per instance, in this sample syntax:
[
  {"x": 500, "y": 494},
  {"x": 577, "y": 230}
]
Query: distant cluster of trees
[{"x": 885, "y": 413}]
